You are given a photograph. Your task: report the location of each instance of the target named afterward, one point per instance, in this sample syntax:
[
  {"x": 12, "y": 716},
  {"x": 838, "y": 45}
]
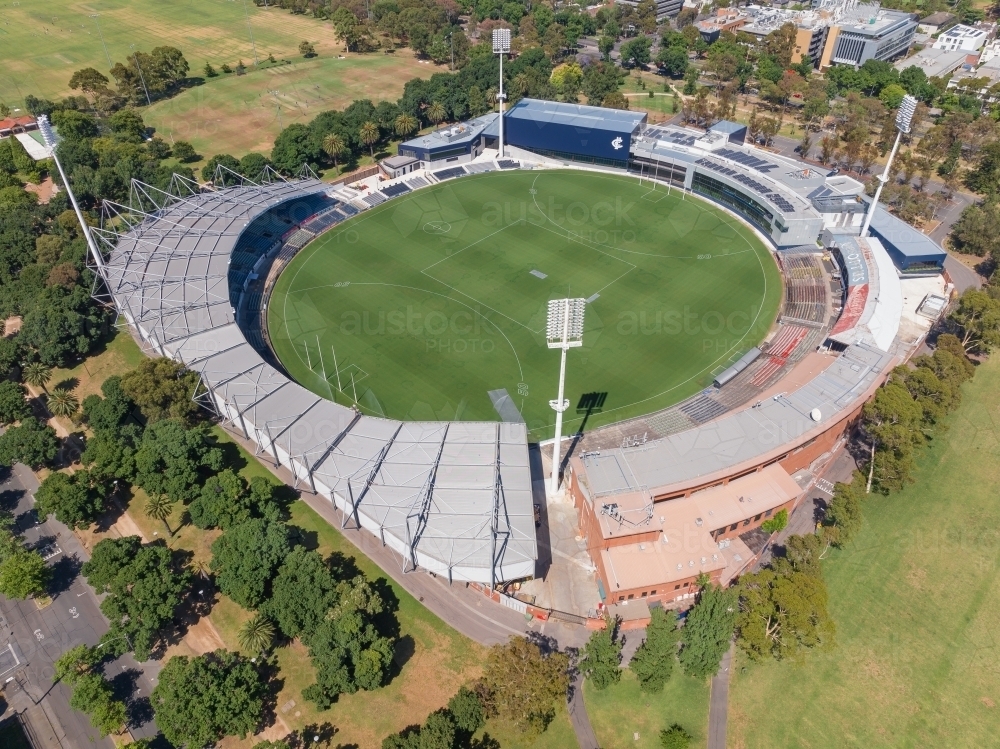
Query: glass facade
[{"x": 730, "y": 197}]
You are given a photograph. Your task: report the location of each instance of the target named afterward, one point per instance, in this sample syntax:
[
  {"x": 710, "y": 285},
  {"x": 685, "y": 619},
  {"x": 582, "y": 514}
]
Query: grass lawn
[
  {"x": 418, "y": 308},
  {"x": 236, "y": 115},
  {"x": 44, "y": 44},
  {"x": 619, "y": 712},
  {"x": 916, "y": 599},
  {"x": 115, "y": 356}
]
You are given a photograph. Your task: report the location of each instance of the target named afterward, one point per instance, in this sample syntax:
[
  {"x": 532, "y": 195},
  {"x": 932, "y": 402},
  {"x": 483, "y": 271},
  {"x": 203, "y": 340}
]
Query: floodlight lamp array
[
  {"x": 904, "y": 117},
  {"x": 46, "y": 130},
  {"x": 501, "y": 41},
  {"x": 564, "y": 326}
]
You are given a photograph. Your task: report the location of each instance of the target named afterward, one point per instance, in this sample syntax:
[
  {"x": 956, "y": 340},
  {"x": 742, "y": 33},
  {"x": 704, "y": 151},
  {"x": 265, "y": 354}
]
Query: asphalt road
[
  {"x": 37, "y": 637},
  {"x": 719, "y": 703}
]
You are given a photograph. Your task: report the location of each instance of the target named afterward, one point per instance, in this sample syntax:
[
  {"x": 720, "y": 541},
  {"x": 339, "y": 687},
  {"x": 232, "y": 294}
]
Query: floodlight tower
[
  {"x": 50, "y": 141},
  {"x": 501, "y": 46},
  {"x": 564, "y": 330},
  {"x": 904, "y": 118}
]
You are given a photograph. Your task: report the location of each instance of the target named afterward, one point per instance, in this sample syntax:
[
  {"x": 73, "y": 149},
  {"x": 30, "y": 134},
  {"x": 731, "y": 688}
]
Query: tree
[
  {"x": 256, "y": 635},
  {"x": 198, "y": 701},
  {"x": 37, "y": 374},
  {"x": 88, "y": 80},
  {"x": 348, "y": 650},
  {"x": 144, "y": 590},
  {"x": 162, "y": 388},
  {"x": 777, "y": 523},
  {"x": 245, "y": 558},
  {"x": 369, "y": 135},
  {"x": 62, "y": 325},
  {"x": 74, "y": 499},
  {"x": 13, "y": 403},
  {"x": 782, "y": 610},
  {"x": 62, "y": 402},
  {"x": 707, "y": 631},
  {"x": 653, "y": 662},
  {"x": 978, "y": 318},
  {"x": 567, "y": 78},
  {"x": 602, "y": 656},
  {"x": 302, "y": 593},
  {"x": 184, "y": 152},
  {"x": 306, "y": 49},
  {"x": 985, "y": 177},
  {"x": 467, "y": 710},
  {"x": 347, "y": 27},
  {"x": 675, "y": 737},
  {"x": 75, "y": 662},
  {"x": 24, "y": 573},
  {"x": 522, "y": 684},
  {"x": 170, "y": 458},
  {"x": 160, "y": 507},
  {"x": 845, "y": 513},
  {"x": 31, "y": 442},
  {"x": 405, "y": 125},
  {"x": 673, "y": 61},
  {"x": 436, "y": 112},
  {"x": 93, "y": 695},
  {"x": 636, "y": 52},
  {"x": 615, "y": 100}
]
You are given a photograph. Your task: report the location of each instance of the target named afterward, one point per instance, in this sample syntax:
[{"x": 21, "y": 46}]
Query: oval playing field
[{"x": 420, "y": 307}]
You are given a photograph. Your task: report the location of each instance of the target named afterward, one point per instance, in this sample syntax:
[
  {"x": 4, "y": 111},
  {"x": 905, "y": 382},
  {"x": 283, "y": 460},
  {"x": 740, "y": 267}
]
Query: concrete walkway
[
  {"x": 585, "y": 735},
  {"x": 718, "y": 705}
]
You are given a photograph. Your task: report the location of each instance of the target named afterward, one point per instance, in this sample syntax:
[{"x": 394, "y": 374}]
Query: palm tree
[
  {"x": 256, "y": 635},
  {"x": 519, "y": 84},
  {"x": 334, "y": 145},
  {"x": 62, "y": 403},
  {"x": 436, "y": 112},
  {"x": 200, "y": 567},
  {"x": 37, "y": 374},
  {"x": 405, "y": 124},
  {"x": 159, "y": 507},
  {"x": 369, "y": 134}
]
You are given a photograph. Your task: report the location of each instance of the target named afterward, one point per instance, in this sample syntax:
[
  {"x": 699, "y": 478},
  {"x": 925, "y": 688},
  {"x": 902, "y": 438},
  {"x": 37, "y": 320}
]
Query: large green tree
[
  {"x": 653, "y": 662},
  {"x": 522, "y": 685},
  {"x": 707, "y": 631},
  {"x": 171, "y": 457},
  {"x": 246, "y": 557},
  {"x": 13, "y": 403},
  {"x": 198, "y": 701},
  {"x": 348, "y": 650},
  {"x": 23, "y": 573},
  {"x": 75, "y": 499},
  {"x": 602, "y": 656},
  {"x": 31, "y": 442},
  {"x": 302, "y": 593},
  {"x": 227, "y": 499},
  {"x": 162, "y": 388},
  {"x": 143, "y": 587}
]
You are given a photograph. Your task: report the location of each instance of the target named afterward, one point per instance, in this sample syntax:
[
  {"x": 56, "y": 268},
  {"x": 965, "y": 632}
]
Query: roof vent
[
  {"x": 816, "y": 415},
  {"x": 680, "y": 566},
  {"x": 699, "y": 522},
  {"x": 703, "y": 560},
  {"x": 691, "y": 563},
  {"x": 642, "y": 547}
]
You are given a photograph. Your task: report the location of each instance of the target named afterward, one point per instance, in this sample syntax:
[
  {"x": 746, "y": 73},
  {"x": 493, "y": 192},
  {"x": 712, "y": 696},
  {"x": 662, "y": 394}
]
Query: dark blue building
[{"x": 594, "y": 135}]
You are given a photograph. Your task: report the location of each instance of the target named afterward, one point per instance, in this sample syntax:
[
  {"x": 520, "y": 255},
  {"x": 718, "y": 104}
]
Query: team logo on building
[{"x": 616, "y": 144}]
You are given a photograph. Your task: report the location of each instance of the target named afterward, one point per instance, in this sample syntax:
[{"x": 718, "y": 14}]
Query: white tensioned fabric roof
[{"x": 451, "y": 497}]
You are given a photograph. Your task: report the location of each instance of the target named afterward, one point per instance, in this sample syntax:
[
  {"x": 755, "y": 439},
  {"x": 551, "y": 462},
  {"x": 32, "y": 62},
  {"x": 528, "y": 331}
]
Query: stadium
[{"x": 384, "y": 340}]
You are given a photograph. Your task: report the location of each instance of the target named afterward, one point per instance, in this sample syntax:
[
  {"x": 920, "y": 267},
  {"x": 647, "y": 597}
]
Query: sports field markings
[{"x": 520, "y": 369}]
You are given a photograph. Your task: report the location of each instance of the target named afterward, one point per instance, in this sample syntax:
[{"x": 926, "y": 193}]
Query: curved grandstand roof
[{"x": 454, "y": 498}]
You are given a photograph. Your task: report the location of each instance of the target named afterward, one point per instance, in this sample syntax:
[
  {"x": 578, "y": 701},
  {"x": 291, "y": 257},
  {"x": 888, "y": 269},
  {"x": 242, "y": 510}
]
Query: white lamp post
[
  {"x": 50, "y": 141},
  {"x": 564, "y": 330},
  {"x": 904, "y": 118},
  {"x": 501, "y": 46}
]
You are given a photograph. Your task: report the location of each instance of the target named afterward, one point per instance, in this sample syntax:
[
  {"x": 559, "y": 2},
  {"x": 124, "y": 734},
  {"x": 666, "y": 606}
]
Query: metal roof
[
  {"x": 454, "y": 498},
  {"x": 576, "y": 115}
]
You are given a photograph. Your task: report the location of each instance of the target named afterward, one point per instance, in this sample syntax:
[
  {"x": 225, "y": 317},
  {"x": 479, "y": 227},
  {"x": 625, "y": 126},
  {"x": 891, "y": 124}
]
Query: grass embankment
[{"x": 915, "y": 598}]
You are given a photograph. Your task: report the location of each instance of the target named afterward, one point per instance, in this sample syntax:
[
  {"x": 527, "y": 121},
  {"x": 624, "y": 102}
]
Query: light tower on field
[
  {"x": 501, "y": 46},
  {"x": 904, "y": 118},
  {"x": 564, "y": 330},
  {"x": 50, "y": 141}
]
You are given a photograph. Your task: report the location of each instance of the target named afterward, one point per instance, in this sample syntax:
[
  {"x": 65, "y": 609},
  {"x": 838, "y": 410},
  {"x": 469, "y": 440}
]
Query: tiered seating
[
  {"x": 479, "y": 168},
  {"x": 394, "y": 190},
  {"x": 374, "y": 199},
  {"x": 770, "y": 367},
  {"x": 785, "y": 342},
  {"x": 417, "y": 182},
  {"x": 506, "y": 164},
  {"x": 455, "y": 171},
  {"x": 299, "y": 238},
  {"x": 805, "y": 290}
]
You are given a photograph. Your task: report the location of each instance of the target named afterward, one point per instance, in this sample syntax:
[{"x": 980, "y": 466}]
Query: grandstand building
[{"x": 664, "y": 498}]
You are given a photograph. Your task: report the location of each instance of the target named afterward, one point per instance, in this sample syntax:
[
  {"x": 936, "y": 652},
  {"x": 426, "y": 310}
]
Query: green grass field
[
  {"x": 916, "y": 600},
  {"x": 419, "y": 307},
  {"x": 621, "y": 711}
]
